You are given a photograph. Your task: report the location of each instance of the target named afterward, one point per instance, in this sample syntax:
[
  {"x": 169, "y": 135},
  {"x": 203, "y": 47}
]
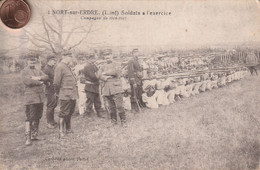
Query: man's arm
[
  {"x": 29, "y": 81},
  {"x": 43, "y": 76},
  {"x": 48, "y": 73},
  {"x": 114, "y": 71},
  {"x": 137, "y": 66},
  {"x": 130, "y": 68},
  {"x": 90, "y": 71},
  {"x": 101, "y": 75},
  {"x": 57, "y": 79}
]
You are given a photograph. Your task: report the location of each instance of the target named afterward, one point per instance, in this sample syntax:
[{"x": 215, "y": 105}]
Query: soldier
[
  {"x": 65, "y": 85},
  {"x": 34, "y": 94},
  {"x": 92, "y": 87},
  {"x": 50, "y": 92},
  {"x": 135, "y": 79},
  {"x": 112, "y": 89},
  {"x": 81, "y": 85}
]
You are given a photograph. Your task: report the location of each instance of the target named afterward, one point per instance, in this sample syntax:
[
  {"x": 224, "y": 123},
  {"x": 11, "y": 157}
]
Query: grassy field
[{"x": 218, "y": 129}]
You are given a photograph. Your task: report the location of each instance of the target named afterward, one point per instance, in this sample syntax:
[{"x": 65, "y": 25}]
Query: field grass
[{"x": 218, "y": 129}]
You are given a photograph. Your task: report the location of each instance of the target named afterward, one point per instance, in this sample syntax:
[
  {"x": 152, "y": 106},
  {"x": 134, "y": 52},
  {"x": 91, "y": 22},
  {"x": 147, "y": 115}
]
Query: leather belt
[{"x": 89, "y": 82}]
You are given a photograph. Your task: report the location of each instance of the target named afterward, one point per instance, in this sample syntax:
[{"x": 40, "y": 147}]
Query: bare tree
[
  {"x": 55, "y": 39},
  {"x": 57, "y": 33}
]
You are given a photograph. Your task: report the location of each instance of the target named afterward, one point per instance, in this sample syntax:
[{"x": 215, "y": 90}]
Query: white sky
[{"x": 198, "y": 22}]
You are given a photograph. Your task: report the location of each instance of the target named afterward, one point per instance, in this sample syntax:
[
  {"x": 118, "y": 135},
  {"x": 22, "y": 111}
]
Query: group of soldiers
[
  {"x": 60, "y": 83},
  {"x": 167, "y": 90}
]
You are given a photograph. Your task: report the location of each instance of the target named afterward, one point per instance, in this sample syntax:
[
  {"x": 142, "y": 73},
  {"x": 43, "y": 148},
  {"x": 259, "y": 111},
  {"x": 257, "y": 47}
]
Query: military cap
[
  {"x": 91, "y": 55},
  {"x": 107, "y": 52},
  {"x": 32, "y": 57},
  {"x": 66, "y": 53},
  {"x": 51, "y": 57},
  {"x": 135, "y": 50}
]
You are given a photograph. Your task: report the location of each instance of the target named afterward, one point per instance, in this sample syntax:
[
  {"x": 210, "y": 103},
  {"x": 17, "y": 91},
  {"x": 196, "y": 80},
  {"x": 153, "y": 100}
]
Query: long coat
[
  {"x": 133, "y": 71},
  {"x": 65, "y": 82},
  {"x": 112, "y": 85},
  {"x": 49, "y": 71},
  {"x": 34, "y": 89},
  {"x": 92, "y": 82}
]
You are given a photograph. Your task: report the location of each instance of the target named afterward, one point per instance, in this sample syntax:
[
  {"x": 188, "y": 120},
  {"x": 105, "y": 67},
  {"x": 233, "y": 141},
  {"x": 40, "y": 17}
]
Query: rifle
[
  {"x": 136, "y": 100},
  {"x": 195, "y": 73}
]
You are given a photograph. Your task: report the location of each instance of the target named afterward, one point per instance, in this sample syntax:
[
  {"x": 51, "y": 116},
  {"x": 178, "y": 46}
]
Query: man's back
[
  {"x": 90, "y": 71},
  {"x": 91, "y": 80},
  {"x": 66, "y": 82},
  {"x": 133, "y": 67},
  {"x": 49, "y": 71}
]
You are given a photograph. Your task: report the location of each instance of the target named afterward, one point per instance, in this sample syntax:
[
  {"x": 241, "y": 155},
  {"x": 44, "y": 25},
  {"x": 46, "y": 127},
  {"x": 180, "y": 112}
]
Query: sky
[{"x": 192, "y": 23}]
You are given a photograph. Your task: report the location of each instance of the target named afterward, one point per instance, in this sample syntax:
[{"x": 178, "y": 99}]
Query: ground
[{"x": 218, "y": 129}]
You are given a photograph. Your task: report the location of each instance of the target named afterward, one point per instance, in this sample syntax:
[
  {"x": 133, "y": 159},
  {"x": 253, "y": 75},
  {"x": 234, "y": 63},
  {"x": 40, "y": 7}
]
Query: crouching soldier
[
  {"x": 34, "y": 95},
  {"x": 65, "y": 85},
  {"x": 112, "y": 89}
]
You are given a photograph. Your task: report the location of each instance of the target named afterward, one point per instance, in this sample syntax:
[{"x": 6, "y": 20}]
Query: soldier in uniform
[
  {"x": 33, "y": 79},
  {"x": 65, "y": 85},
  {"x": 92, "y": 87},
  {"x": 81, "y": 85},
  {"x": 134, "y": 71},
  {"x": 111, "y": 88},
  {"x": 50, "y": 92}
]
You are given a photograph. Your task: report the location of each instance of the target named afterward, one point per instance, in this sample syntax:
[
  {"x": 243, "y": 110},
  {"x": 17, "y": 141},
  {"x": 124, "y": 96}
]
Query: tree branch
[
  {"x": 35, "y": 37},
  {"x": 52, "y": 29},
  {"x": 70, "y": 33},
  {"x": 47, "y": 32},
  {"x": 73, "y": 46},
  {"x": 39, "y": 46}
]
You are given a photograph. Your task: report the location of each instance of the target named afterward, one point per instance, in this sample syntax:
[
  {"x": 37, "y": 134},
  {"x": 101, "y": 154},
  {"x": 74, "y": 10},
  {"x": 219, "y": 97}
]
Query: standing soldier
[
  {"x": 92, "y": 87},
  {"x": 135, "y": 79},
  {"x": 81, "y": 85},
  {"x": 50, "y": 92},
  {"x": 65, "y": 85},
  {"x": 112, "y": 89},
  {"x": 34, "y": 94}
]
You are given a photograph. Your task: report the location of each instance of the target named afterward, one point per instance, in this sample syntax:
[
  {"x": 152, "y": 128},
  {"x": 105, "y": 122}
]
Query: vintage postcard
[{"x": 130, "y": 84}]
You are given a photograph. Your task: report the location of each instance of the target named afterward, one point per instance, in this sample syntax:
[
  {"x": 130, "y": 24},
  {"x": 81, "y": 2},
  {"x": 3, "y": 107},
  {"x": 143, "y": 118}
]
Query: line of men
[{"x": 60, "y": 85}]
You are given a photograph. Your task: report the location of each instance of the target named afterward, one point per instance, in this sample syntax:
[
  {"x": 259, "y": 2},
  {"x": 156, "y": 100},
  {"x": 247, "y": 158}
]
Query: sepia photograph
[{"x": 131, "y": 85}]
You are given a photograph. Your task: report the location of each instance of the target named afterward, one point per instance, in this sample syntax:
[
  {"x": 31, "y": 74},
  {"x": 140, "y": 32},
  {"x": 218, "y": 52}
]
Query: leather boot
[
  {"x": 134, "y": 107},
  {"x": 114, "y": 122},
  {"x": 100, "y": 115},
  {"x": 35, "y": 129},
  {"x": 68, "y": 125},
  {"x": 123, "y": 123},
  {"x": 123, "y": 119},
  {"x": 62, "y": 127},
  {"x": 28, "y": 133}
]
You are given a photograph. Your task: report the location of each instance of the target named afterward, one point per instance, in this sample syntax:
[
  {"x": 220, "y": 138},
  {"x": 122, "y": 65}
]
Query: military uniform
[
  {"x": 81, "y": 88},
  {"x": 92, "y": 88},
  {"x": 112, "y": 90},
  {"x": 33, "y": 98},
  {"x": 65, "y": 84},
  {"x": 50, "y": 95},
  {"x": 133, "y": 70}
]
